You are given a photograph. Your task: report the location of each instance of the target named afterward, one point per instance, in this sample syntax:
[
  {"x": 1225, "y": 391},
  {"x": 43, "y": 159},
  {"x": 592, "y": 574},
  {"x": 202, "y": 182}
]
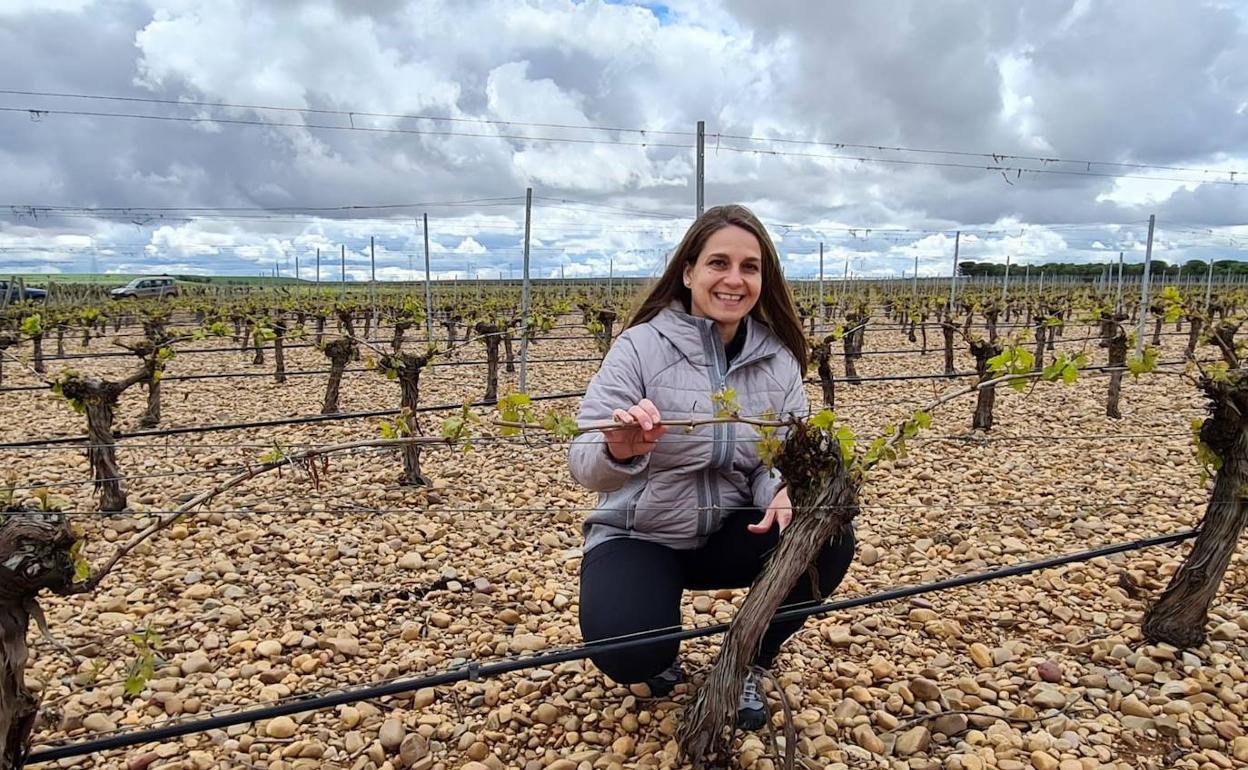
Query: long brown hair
[{"x": 774, "y": 308}]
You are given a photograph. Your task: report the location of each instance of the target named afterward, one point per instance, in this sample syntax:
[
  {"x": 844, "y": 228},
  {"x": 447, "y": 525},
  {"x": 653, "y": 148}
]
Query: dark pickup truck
[{"x": 12, "y": 292}]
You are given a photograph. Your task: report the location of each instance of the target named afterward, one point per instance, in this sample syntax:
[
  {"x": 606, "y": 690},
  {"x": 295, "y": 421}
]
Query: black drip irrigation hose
[
  {"x": 271, "y": 423},
  {"x": 474, "y": 671},
  {"x": 311, "y": 372},
  {"x": 294, "y": 345}
]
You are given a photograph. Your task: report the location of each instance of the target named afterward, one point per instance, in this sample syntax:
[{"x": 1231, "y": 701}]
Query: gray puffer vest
[{"x": 679, "y": 493}]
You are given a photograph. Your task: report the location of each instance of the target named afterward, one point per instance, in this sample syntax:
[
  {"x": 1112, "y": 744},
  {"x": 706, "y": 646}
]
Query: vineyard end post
[
  {"x": 700, "y": 182},
  {"x": 372, "y": 278},
  {"x": 524, "y": 291},
  {"x": 1209, "y": 284},
  {"x": 820, "y": 279},
  {"x": 953, "y": 277},
  {"x": 1118, "y": 299},
  {"x": 1148, "y": 262},
  {"x": 428, "y": 286}
]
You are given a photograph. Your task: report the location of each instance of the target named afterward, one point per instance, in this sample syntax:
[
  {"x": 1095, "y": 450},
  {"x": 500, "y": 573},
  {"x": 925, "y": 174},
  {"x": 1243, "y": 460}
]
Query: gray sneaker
[
  {"x": 752, "y": 708},
  {"x": 664, "y": 682}
]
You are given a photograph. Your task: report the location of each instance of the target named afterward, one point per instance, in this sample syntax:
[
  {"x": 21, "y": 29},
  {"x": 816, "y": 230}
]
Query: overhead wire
[{"x": 995, "y": 157}]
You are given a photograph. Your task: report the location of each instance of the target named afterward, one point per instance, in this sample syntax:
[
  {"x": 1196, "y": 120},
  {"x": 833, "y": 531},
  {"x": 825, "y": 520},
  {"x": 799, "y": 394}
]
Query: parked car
[
  {"x": 17, "y": 293},
  {"x": 146, "y": 287}
]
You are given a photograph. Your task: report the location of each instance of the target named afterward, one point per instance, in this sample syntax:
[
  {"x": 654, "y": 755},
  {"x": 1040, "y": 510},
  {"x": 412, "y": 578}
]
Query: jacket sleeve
[
  {"x": 765, "y": 482},
  {"x": 617, "y": 385}
]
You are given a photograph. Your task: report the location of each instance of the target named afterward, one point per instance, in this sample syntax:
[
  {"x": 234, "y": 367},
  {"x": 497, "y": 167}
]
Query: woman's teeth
[{"x": 729, "y": 297}]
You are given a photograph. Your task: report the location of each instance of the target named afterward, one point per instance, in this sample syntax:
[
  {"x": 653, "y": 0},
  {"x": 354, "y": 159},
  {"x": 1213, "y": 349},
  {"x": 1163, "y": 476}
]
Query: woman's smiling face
[{"x": 726, "y": 280}]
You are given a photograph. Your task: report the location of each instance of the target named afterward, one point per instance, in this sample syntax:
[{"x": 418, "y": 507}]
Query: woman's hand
[
  {"x": 779, "y": 512},
  {"x": 643, "y": 431}
]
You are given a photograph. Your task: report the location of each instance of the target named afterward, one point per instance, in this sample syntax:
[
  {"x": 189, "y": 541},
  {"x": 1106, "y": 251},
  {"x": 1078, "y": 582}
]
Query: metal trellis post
[
  {"x": 428, "y": 287},
  {"x": 524, "y": 293},
  {"x": 1148, "y": 258},
  {"x": 701, "y": 180}
]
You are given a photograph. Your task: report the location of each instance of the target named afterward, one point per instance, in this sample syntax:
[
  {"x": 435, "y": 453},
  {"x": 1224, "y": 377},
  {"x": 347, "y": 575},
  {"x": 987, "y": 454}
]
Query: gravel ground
[{"x": 283, "y": 587}]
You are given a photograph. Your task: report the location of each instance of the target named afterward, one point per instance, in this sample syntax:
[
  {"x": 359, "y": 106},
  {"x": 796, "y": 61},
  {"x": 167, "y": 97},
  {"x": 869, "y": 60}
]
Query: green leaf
[
  {"x": 999, "y": 363},
  {"x": 823, "y": 420},
  {"x": 769, "y": 448},
  {"x": 453, "y": 428},
  {"x": 565, "y": 427},
  {"x": 725, "y": 402},
  {"x": 82, "y": 567},
  {"x": 845, "y": 437},
  {"x": 1218, "y": 371},
  {"x": 134, "y": 684},
  {"x": 32, "y": 325},
  {"x": 1142, "y": 364}
]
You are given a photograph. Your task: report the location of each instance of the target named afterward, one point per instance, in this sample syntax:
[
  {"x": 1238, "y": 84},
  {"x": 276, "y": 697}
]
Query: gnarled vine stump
[
  {"x": 1181, "y": 613},
  {"x": 1117, "y": 346},
  {"x": 34, "y": 555},
  {"x": 98, "y": 399},
  {"x": 825, "y": 501},
  {"x": 491, "y": 335},
  {"x": 279, "y": 349},
  {"x": 409, "y": 366},
  {"x": 948, "y": 328},
  {"x": 983, "y": 350},
  {"x": 339, "y": 353}
]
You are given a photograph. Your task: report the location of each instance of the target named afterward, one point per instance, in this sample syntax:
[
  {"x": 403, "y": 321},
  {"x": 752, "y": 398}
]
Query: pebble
[
  {"x": 528, "y": 643},
  {"x": 1049, "y": 671},
  {"x": 195, "y": 663},
  {"x": 925, "y": 689},
  {"x": 349, "y": 716},
  {"x": 1048, "y": 698},
  {"x": 1131, "y": 705},
  {"x": 866, "y": 738},
  {"x": 280, "y": 727},
  {"x": 414, "y": 748},
  {"x": 949, "y": 724},
  {"x": 391, "y": 734},
  {"x": 269, "y": 648},
  {"x": 1239, "y": 748},
  {"x": 912, "y": 741},
  {"x": 1042, "y": 760},
  {"x": 1225, "y": 632},
  {"x": 546, "y": 713},
  {"x": 981, "y": 655},
  {"x": 98, "y": 723}
]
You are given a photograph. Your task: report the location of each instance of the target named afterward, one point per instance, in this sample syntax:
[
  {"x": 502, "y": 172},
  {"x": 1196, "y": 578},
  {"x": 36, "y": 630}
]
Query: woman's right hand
[{"x": 643, "y": 430}]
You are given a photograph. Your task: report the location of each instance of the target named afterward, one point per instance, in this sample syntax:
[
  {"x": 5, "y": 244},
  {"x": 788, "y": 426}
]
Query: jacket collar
[{"x": 698, "y": 338}]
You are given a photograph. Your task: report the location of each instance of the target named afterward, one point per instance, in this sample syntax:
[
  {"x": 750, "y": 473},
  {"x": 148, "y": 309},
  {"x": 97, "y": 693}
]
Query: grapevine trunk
[
  {"x": 34, "y": 555},
  {"x": 1181, "y": 613}
]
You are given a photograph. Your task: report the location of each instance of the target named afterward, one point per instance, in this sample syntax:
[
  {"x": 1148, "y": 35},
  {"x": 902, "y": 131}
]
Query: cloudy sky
[{"x": 237, "y": 136}]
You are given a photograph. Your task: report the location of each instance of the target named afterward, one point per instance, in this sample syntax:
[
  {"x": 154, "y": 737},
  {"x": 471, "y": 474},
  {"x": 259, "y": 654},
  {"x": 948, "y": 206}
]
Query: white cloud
[
  {"x": 469, "y": 245},
  {"x": 1041, "y": 79}
]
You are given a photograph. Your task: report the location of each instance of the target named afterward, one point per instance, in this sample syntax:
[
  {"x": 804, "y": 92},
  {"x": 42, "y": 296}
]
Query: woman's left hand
[{"x": 779, "y": 512}]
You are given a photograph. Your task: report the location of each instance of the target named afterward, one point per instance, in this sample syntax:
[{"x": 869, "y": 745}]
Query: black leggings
[{"x": 631, "y": 586}]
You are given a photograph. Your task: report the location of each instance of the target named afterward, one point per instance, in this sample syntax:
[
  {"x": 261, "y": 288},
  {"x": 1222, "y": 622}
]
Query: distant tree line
[{"x": 1092, "y": 270}]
